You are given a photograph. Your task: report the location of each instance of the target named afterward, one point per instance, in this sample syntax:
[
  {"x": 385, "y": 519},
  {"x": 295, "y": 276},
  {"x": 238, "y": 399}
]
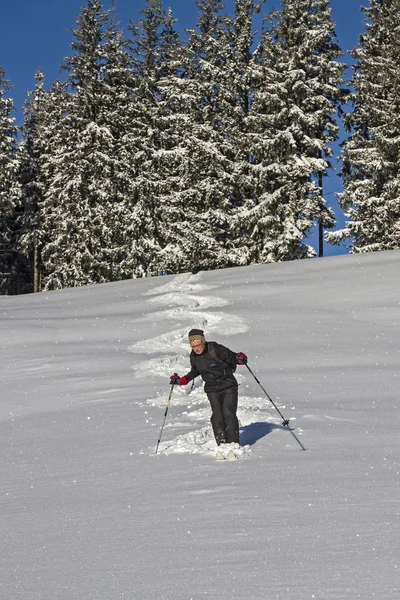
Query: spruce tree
[
  {"x": 371, "y": 153},
  {"x": 245, "y": 127},
  {"x": 44, "y": 134},
  {"x": 153, "y": 151},
  {"x": 9, "y": 188},
  {"x": 8, "y": 146},
  {"x": 260, "y": 141},
  {"x": 315, "y": 87},
  {"x": 31, "y": 154},
  {"x": 294, "y": 106},
  {"x": 84, "y": 198},
  {"x": 193, "y": 101}
]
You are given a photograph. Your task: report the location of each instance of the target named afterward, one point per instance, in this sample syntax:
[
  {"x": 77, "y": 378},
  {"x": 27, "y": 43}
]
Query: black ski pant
[{"x": 223, "y": 419}]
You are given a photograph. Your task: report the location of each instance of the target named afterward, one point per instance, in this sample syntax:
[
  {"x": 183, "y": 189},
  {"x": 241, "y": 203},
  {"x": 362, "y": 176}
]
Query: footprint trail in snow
[{"x": 187, "y": 430}]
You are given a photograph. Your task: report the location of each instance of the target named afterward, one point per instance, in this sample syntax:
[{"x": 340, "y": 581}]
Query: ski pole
[
  {"x": 165, "y": 415},
  {"x": 285, "y": 422}
]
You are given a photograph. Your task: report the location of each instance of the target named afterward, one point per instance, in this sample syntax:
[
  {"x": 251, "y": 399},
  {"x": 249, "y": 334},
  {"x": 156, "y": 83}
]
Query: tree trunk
[
  {"x": 320, "y": 224},
  {"x": 36, "y": 267}
]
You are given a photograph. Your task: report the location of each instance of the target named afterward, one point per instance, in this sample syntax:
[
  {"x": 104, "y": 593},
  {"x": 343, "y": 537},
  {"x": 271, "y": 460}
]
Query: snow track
[
  {"x": 186, "y": 300},
  {"x": 89, "y": 513}
]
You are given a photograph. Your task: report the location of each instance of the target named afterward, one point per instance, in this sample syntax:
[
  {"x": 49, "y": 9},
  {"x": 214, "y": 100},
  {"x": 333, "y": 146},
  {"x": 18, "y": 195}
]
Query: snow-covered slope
[{"x": 88, "y": 512}]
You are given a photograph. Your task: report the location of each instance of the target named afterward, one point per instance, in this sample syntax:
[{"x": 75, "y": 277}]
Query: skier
[{"x": 216, "y": 365}]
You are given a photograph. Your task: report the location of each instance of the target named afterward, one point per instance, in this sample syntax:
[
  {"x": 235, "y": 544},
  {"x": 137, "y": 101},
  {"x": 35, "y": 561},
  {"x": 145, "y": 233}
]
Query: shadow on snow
[{"x": 250, "y": 434}]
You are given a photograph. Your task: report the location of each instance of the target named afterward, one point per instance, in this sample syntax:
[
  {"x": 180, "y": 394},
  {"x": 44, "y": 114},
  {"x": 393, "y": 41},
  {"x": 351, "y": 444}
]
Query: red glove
[
  {"x": 176, "y": 380},
  {"x": 241, "y": 358}
]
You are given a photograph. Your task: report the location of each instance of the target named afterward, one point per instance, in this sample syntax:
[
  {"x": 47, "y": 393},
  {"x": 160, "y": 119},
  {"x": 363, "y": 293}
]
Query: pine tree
[
  {"x": 261, "y": 144},
  {"x": 8, "y": 146},
  {"x": 83, "y": 203},
  {"x": 264, "y": 220},
  {"x": 247, "y": 131},
  {"x": 371, "y": 163},
  {"x": 9, "y": 188},
  {"x": 199, "y": 195},
  {"x": 315, "y": 86},
  {"x": 293, "y": 114},
  {"x": 119, "y": 110},
  {"x": 31, "y": 154},
  {"x": 44, "y": 134},
  {"x": 152, "y": 141}
]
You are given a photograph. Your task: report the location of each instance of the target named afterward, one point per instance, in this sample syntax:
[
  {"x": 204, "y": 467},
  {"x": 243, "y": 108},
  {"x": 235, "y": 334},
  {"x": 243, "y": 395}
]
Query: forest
[{"x": 157, "y": 154}]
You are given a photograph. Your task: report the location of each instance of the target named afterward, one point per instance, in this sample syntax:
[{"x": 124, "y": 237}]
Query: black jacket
[{"x": 217, "y": 374}]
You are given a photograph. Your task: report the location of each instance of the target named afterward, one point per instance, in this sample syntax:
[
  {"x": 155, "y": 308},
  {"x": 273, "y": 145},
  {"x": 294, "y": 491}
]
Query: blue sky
[{"x": 35, "y": 35}]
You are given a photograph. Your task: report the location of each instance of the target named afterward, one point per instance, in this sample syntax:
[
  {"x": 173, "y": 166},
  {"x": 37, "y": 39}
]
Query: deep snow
[{"x": 88, "y": 512}]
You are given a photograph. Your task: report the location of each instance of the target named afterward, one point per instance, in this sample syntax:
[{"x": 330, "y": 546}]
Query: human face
[{"x": 197, "y": 346}]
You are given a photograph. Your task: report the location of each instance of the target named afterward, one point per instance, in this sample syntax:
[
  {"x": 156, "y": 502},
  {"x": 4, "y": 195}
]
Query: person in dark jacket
[{"x": 216, "y": 364}]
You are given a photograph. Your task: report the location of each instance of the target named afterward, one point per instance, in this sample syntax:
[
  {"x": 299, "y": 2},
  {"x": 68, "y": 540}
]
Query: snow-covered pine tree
[
  {"x": 8, "y": 147},
  {"x": 294, "y": 104},
  {"x": 261, "y": 142},
  {"x": 371, "y": 153},
  {"x": 153, "y": 139},
  {"x": 119, "y": 111},
  {"x": 43, "y": 136},
  {"x": 246, "y": 124},
  {"x": 314, "y": 85},
  {"x": 193, "y": 101},
  {"x": 9, "y": 188},
  {"x": 81, "y": 231},
  {"x": 31, "y": 153}
]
